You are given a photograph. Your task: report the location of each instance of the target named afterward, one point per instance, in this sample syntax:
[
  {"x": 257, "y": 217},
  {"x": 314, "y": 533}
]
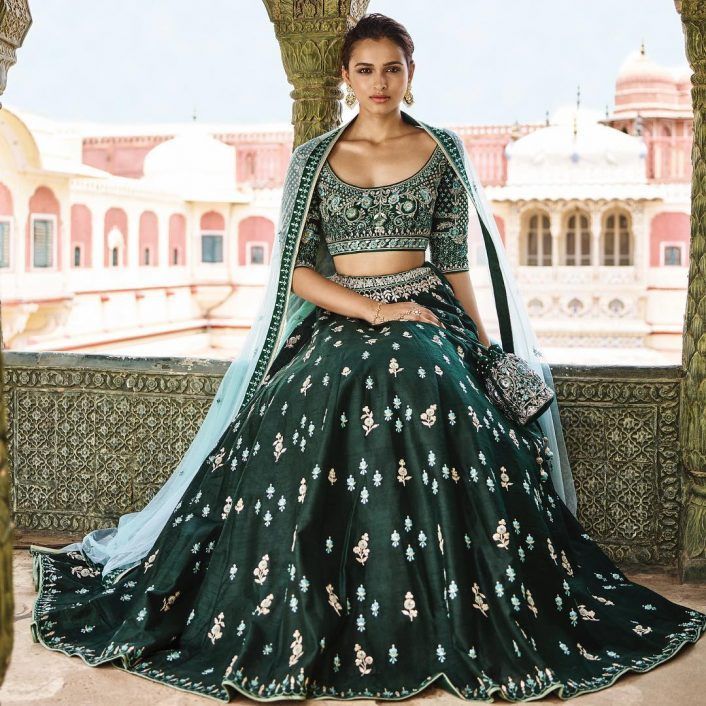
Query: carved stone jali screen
[
  {"x": 622, "y": 436},
  {"x": 92, "y": 437},
  {"x": 97, "y": 439}
]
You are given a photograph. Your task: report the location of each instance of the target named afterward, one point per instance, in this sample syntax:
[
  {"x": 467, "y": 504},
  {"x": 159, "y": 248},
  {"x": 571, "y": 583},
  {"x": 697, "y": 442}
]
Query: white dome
[
  {"x": 638, "y": 67},
  {"x": 193, "y": 164},
  {"x": 576, "y": 149}
]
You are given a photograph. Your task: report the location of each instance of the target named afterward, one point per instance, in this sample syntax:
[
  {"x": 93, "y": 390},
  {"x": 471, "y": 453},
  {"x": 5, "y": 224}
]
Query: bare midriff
[{"x": 378, "y": 262}]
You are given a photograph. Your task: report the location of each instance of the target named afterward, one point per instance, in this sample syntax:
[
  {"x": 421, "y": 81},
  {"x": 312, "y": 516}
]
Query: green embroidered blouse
[{"x": 430, "y": 208}]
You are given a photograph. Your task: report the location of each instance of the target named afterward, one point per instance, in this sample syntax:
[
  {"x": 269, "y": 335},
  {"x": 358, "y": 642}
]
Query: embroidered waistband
[{"x": 393, "y": 286}]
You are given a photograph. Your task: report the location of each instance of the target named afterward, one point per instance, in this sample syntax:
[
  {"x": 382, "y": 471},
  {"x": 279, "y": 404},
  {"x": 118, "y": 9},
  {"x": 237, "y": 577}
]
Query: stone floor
[{"x": 41, "y": 677}]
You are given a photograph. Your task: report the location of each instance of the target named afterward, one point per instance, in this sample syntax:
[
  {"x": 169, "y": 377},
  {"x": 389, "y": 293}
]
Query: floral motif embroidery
[
  {"x": 168, "y": 602},
  {"x": 297, "y": 648},
  {"x": 394, "y": 367},
  {"x": 479, "y": 600},
  {"x": 333, "y": 599},
  {"x": 368, "y": 421},
  {"x": 640, "y": 630},
  {"x": 216, "y": 631},
  {"x": 502, "y": 536},
  {"x": 409, "y": 606},
  {"x": 84, "y": 571},
  {"x": 264, "y": 607},
  {"x": 150, "y": 561},
  {"x": 278, "y": 443},
  {"x": 361, "y": 550},
  {"x": 261, "y": 570},
  {"x": 429, "y": 416},
  {"x": 403, "y": 474},
  {"x": 362, "y": 660}
]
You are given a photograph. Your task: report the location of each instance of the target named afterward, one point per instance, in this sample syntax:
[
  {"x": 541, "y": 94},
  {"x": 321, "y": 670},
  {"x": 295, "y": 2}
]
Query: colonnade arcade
[{"x": 572, "y": 235}]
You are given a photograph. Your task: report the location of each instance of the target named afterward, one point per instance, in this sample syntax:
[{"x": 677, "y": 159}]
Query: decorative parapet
[
  {"x": 93, "y": 437},
  {"x": 622, "y": 434}
]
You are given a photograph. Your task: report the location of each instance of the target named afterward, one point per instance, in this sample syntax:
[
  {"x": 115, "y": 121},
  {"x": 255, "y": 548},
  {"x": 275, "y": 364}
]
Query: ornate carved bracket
[
  {"x": 310, "y": 34},
  {"x": 15, "y": 20}
]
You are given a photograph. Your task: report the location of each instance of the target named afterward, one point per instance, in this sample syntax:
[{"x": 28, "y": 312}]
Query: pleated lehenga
[{"x": 369, "y": 525}]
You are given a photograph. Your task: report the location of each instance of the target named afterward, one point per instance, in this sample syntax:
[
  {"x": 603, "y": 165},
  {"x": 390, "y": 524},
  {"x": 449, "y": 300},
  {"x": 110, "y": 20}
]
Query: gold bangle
[{"x": 377, "y": 312}]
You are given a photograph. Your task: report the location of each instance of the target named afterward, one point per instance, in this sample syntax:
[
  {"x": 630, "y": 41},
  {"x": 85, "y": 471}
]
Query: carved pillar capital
[
  {"x": 310, "y": 34},
  {"x": 15, "y": 20},
  {"x": 693, "y": 396}
]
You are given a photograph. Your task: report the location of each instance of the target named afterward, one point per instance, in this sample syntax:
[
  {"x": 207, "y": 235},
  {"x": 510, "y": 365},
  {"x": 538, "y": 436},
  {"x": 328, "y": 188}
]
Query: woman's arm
[
  {"x": 449, "y": 243},
  {"x": 314, "y": 287},
  {"x": 463, "y": 289},
  {"x": 319, "y": 290}
]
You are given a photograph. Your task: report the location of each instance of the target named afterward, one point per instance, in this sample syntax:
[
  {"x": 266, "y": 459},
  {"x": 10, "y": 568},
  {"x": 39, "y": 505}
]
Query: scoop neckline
[{"x": 384, "y": 186}]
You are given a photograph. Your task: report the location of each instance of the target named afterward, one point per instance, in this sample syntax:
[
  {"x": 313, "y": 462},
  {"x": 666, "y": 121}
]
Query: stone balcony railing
[{"x": 94, "y": 436}]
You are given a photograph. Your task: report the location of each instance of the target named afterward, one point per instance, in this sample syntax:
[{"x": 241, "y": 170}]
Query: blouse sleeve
[
  {"x": 311, "y": 235},
  {"x": 449, "y": 233}
]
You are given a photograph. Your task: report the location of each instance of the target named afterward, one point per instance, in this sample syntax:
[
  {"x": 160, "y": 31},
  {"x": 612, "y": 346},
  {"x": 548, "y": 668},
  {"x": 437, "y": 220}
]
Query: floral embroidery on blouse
[{"x": 430, "y": 208}]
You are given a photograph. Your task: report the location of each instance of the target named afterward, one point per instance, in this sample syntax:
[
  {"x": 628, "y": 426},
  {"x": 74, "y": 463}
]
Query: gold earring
[
  {"x": 408, "y": 97},
  {"x": 350, "y": 96}
]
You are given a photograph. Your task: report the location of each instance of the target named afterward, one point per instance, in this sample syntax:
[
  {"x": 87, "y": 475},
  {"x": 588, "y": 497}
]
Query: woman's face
[{"x": 378, "y": 67}]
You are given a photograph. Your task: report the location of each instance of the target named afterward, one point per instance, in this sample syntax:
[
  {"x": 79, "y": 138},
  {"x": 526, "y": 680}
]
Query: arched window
[
  {"x": 4, "y": 243},
  {"x": 617, "y": 239},
  {"x": 672, "y": 254},
  {"x": 177, "y": 238},
  {"x": 577, "y": 239},
  {"x": 537, "y": 239},
  {"x": 257, "y": 254},
  {"x": 116, "y": 244},
  {"x": 213, "y": 231},
  {"x": 211, "y": 247},
  {"x": 42, "y": 242}
]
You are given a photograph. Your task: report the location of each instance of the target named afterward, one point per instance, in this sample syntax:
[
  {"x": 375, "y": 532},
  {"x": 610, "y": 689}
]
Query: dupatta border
[{"x": 310, "y": 172}]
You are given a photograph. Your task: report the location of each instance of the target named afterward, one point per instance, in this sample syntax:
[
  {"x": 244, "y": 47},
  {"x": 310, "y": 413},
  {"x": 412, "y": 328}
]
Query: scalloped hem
[{"x": 690, "y": 635}]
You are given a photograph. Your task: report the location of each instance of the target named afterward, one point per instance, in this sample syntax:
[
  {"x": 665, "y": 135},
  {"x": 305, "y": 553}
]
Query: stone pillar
[
  {"x": 513, "y": 235},
  {"x": 555, "y": 223},
  {"x": 692, "y": 560},
  {"x": 15, "y": 20},
  {"x": 596, "y": 228},
  {"x": 310, "y": 35}
]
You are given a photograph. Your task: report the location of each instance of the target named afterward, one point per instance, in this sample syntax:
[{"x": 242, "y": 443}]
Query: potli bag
[{"x": 511, "y": 384}]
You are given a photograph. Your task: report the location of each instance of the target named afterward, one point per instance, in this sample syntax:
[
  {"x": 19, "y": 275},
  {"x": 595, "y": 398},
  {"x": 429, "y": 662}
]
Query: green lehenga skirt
[{"x": 368, "y": 525}]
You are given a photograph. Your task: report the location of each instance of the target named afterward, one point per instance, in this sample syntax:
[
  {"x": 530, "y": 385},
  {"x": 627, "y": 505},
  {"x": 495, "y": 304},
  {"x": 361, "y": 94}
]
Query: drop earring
[
  {"x": 350, "y": 98},
  {"x": 408, "y": 97}
]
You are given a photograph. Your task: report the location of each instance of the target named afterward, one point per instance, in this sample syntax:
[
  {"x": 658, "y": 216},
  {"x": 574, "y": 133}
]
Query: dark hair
[{"x": 377, "y": 26}]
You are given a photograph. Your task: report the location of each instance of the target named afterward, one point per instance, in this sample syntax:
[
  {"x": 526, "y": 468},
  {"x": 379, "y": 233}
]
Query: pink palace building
[{"x": 156, "y": 240}]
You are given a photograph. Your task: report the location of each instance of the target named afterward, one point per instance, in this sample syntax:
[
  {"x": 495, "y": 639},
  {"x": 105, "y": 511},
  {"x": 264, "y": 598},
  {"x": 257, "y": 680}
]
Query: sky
[{"x": 147, "y": 61}]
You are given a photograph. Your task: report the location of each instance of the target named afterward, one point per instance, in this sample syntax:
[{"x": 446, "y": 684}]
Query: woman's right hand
[{"x": 404, "y": 311}]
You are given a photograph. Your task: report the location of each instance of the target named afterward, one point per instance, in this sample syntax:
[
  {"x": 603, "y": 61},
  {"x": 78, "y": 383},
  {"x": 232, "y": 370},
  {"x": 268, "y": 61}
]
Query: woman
[{"x": 365, "y": 522}]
